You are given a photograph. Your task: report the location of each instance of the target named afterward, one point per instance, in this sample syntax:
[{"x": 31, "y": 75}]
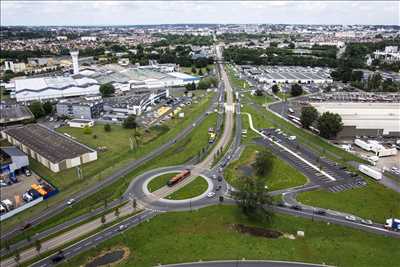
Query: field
[
  {"x": 374, "y": 201},
  {"x": 208, "y": 235},
  {"x": 160, "y": 181},
  {"x": 193, "y": 189},
  {"x": 282, "y": 175},
  {"x": 236, "y": 83},
  {"x": 64, "y": 177},
  {"x": 188, "y": 70},
  {"x": 179, "y": 153}
]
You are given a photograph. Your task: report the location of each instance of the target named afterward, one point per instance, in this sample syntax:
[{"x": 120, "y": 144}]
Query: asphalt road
[
  {"x": 244, "y": 263},
  {"x": 56, "y": 209}
]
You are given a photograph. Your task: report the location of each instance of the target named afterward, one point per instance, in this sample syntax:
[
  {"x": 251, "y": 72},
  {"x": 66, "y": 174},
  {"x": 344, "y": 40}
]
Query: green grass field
[
  {"x": 193, "y": 189},
  {"x": 236, "y": 83},
  {"x": 282, "y": 175},
  {"x": 208, "y": 235},
  {"x": 188, "y": 70},
  {"x": 160, "y": 181},
  {"x": 374, "y": 201},
  {"x": 179, "y": 153},
  {"x": 65, "y": 177},
  {"x": 260, "y": 100}
]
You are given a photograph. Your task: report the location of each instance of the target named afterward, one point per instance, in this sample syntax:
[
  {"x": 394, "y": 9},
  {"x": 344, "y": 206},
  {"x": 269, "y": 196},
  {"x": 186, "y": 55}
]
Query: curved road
[{"x": 245, "y": 263}]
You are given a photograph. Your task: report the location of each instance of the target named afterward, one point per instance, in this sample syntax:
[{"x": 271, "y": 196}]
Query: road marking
[
  {"x": 77, "y": 248},
  {"x": 98, "y": 238}
]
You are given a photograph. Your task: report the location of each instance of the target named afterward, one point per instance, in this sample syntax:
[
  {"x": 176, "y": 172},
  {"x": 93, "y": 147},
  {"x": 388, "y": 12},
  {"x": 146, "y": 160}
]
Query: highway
[
  {"x": 245, "y": 263},
  {"x": 155, "y": 203}
]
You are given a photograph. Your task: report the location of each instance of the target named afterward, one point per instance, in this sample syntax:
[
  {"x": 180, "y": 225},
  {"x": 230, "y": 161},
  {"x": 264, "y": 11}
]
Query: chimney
[{"x": 75, "y": 63}]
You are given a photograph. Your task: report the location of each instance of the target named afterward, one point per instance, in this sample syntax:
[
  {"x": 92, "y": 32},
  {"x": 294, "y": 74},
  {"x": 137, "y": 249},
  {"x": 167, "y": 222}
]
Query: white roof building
[{"x": 53, "y": 87}]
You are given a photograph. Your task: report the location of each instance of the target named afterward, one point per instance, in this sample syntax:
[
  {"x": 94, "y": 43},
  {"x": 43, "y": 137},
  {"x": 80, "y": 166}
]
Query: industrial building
[
  {"x": 54, "y": 150},
  {"x": 12, "y": 160},
  {"x": 10, "y": 114},
  {"x": 365, "y": 118},
  {"x": 82, "y": 108},
  {"x": 286, "y": 74}
]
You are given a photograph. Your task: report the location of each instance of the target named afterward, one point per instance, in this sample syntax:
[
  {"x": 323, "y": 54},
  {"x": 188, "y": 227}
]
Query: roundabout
[{"x": 157, "y": 200}]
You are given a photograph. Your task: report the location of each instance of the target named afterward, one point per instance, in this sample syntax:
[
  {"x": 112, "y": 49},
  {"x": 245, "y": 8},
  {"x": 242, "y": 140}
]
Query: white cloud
[{"x": 114, "y": 12}]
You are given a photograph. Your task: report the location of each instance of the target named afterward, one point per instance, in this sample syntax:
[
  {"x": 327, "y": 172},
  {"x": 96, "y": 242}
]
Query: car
[
  {"x": 26, "y": 226},
  {"x": 71, "y": 201},
  {"x": 297, "y": 207},
  {"x": 214, "y": 176},
  {"x": 57, "y": 258},
  {"x": 320, "y": 212},
  {"x": 219, "y": 178},
  {"x": 350, "y": 218},
  {"x": 121, "y": 227},
  {"x": 218, "y": 188},
  {"x": 27, "y": 172},
  {"x": 366, "y": 221},
  {"x": 210, "y": 194}
]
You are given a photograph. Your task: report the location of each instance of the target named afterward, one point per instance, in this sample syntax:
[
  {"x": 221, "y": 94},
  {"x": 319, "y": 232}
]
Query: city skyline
[{"x": 96, "y": 13}]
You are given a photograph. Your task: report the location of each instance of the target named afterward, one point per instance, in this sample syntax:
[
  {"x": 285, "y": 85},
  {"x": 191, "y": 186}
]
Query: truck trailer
[
  {"x": 377, "y": 175},
  {"x": 393, "y": 224},
  {"x": 364, "y": 145}
]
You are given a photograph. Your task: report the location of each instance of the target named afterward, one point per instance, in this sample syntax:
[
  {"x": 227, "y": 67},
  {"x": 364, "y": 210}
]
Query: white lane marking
[
  {"x": 287, "y": 149},
  {"x": 98, "y": 238}
]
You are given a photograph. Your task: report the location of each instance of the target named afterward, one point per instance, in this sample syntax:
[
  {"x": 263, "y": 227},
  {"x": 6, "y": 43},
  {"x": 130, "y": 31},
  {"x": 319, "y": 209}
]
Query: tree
[
  {"x": 308, "y": 116},
  {"x": 107, "y": 127},
  {"x": 134, "y": 203},
  {"x": 38, "y": 245},
  {"x": 194, "y": 71},
  {"x": 17, "y": 256},
  {"x": 107, "y": 89},
  {"x": 190, "y": 86},
  {"x": 258, "y": 92},
  {"x": 252, "y": 196},
  {"x": 329, "y": 124},
  {"x": 116, "y": 212},
  {"x": 130, "y": 122},
  {"x": 264, "y": 163},
  {"x": 48, "y": 107},
  {"x": 275, "y": 88},
  {"x": 296, "y": 89},
  {"x": 37, "y": 110},
  {"x": 103, "y": 219},
  {"x": 200, "y": 72}
]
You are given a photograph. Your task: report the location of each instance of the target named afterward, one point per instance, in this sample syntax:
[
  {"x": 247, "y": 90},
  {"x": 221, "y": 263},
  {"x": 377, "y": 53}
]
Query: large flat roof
[
  {"x": 11, "y": 113},
  {"x": 52, "y": 145}
]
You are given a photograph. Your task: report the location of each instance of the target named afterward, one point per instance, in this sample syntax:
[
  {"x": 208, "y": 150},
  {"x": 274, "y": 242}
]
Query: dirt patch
[
  {"x": 110, "y": 257},
  {"x": 246, "y": 170},
  {"x": 257, "y": 231}
]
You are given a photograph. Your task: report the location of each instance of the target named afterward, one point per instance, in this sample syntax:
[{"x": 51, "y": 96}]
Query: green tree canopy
[
  {"x": 130, "y": 122},
  {"x": 308, "y": 116},
  {"x": 329, "y": 124},
  {"x": 264, "y": 163},
  {"x": 48, "y": 107},
  {"x": 37, "y": 110},
  {"x": 296, "y": 89},
  {"x": 107, "y": 89},
  {"x": 275, "y": 88}
]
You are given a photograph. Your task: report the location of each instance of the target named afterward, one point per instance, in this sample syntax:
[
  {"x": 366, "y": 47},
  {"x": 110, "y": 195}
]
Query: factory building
[
  {"x": 11, "y": 114},
  {"x": 12, "y": 160},
  {"x": 53, "y": 150},
  {"x": 82, "y": 108}
]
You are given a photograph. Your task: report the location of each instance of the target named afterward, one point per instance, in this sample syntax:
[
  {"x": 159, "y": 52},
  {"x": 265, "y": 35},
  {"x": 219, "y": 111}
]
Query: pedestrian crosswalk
[{"x": 347, "y": 186}]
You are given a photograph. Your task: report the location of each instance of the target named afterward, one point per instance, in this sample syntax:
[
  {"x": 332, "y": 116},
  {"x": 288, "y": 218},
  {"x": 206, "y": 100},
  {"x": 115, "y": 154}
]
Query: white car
[
  {"x": 71, "y": 201},
  {"x": 121, "y": 227},
  {"x": 214, "y": 176},
  {"x": 351, "y": 218},
  {"x": 367, "y": 222},
  {"x": 211, "y": 194}
]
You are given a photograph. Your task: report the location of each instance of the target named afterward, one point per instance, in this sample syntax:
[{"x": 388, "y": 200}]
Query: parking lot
[{"x": 15, "y": 191}]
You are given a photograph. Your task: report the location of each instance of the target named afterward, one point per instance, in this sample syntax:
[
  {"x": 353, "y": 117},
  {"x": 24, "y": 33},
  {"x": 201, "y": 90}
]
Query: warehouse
[
  {"x": 11, "y": 114},
  {"x": 275, "y": 75},
  {"x": 52, "y": 149},
  {"x": 363, "y": 118},
  {"x": 82, "y": 108},
  {"x": 53, "y": 87}
]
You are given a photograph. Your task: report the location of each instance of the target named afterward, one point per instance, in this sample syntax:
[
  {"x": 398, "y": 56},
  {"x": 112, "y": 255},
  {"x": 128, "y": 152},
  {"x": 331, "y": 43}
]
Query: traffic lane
[
  {"x": 109, "y": 180},
  {"x": 293, "y": 161},
  {"x": 375, "y": 228},
  {"x": 290, "y": 202},
  {"x": 97, "y": 238},
  {"x": 245, "y": 263}
]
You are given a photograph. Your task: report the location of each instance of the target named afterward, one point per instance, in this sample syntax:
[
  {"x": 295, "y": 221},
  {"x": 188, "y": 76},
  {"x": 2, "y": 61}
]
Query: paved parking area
[{"x": 14, "y": 192}]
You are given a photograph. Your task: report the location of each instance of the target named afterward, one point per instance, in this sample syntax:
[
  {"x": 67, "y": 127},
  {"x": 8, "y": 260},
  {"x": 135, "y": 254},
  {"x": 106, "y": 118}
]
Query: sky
[{"x": 173, "y": 12}]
